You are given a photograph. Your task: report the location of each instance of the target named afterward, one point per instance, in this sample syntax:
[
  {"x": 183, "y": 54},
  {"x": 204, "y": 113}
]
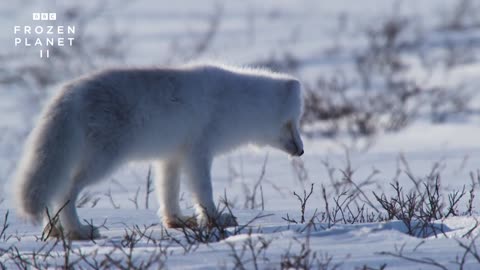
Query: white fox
[{"x": 181, "y": 117}]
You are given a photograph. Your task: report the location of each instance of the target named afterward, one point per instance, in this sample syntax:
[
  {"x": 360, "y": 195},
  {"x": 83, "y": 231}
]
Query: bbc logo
[{"x": 44, "y": 16}]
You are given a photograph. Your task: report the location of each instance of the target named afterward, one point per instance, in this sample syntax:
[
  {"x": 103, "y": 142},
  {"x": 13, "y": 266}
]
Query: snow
[
  {"x": 349, "y": 245},
  {"x": 308, "y": 28}
]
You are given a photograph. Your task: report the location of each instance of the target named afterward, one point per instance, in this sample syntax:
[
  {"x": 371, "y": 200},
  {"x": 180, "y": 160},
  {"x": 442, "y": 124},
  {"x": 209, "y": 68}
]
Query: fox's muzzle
[
  {"x": 294, "y": 149},
  {"x": 299, "y": 151}
]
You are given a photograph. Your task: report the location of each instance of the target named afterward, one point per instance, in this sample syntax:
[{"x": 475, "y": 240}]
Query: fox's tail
[{"x": 46, "y": 165}]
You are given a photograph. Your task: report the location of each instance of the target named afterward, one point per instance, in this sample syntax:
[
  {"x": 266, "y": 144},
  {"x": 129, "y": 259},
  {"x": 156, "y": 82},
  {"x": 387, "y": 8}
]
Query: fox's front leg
[
  {"x": 198, "y": 168},
  {"x": 168, "y": 190}
]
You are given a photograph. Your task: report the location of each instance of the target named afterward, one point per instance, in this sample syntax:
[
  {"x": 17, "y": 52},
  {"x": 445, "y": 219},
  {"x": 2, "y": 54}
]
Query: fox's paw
[
  {"x": 84, "y": 232},
  {"x": 51, "y": 231},
  {"x": 221, "y": 220},
  {"x": 179, "y": 222}
]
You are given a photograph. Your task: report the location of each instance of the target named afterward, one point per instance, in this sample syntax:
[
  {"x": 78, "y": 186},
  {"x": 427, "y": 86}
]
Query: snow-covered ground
[{"x": 158, "y": 32}]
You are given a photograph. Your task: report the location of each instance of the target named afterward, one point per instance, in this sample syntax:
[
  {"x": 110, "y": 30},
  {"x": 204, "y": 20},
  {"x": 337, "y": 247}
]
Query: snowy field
[{"x": 346, "y": 226}]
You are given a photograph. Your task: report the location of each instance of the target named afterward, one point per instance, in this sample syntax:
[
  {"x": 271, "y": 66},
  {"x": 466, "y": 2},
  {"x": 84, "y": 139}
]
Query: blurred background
[{"x": 381, "y": 78}]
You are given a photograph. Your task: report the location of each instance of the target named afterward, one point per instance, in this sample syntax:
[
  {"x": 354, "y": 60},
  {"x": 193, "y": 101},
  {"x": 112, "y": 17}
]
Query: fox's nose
[{"x": 298, "y": 153}]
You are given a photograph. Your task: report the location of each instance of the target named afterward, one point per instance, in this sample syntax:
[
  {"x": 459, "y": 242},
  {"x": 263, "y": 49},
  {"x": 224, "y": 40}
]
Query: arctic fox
[{"x": 181, "y": 117}]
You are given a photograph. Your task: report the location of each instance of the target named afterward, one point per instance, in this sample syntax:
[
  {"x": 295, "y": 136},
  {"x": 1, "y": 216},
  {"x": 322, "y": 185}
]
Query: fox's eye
[{"x": 288, "y": 126}]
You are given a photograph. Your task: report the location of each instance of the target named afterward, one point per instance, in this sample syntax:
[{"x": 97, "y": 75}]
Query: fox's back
[{"x": 141, "y": 110}]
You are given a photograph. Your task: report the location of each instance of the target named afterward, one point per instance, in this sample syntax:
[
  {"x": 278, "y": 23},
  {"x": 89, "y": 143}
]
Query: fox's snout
[
  {"x": 298, "y": 150},
  {"x": 291, "y": 142},
  {"x": 293, "y": 148}
]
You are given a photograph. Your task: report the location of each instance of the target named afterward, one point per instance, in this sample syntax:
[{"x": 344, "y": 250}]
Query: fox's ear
[
  {"x": 292, "y": 89},
  {"x": 292, "y": 86},
  {"x": 293, "y": 96}
]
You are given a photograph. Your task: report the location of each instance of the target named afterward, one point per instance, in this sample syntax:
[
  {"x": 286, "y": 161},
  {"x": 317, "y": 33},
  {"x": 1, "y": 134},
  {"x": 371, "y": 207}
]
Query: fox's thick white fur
[{"x": 181, "y": 117}]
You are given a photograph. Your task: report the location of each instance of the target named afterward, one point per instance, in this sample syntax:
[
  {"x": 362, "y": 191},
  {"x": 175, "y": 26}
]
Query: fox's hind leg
[
  {"x": 66, "y": 219},
  {"x": 90, "y": 171},
  {"x": 168, "y": 191}
]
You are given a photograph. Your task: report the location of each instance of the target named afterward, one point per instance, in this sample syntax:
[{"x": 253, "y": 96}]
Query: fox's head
[
  {"x": 284, "y": 130},
  {"x": 289, "y": 139}
]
